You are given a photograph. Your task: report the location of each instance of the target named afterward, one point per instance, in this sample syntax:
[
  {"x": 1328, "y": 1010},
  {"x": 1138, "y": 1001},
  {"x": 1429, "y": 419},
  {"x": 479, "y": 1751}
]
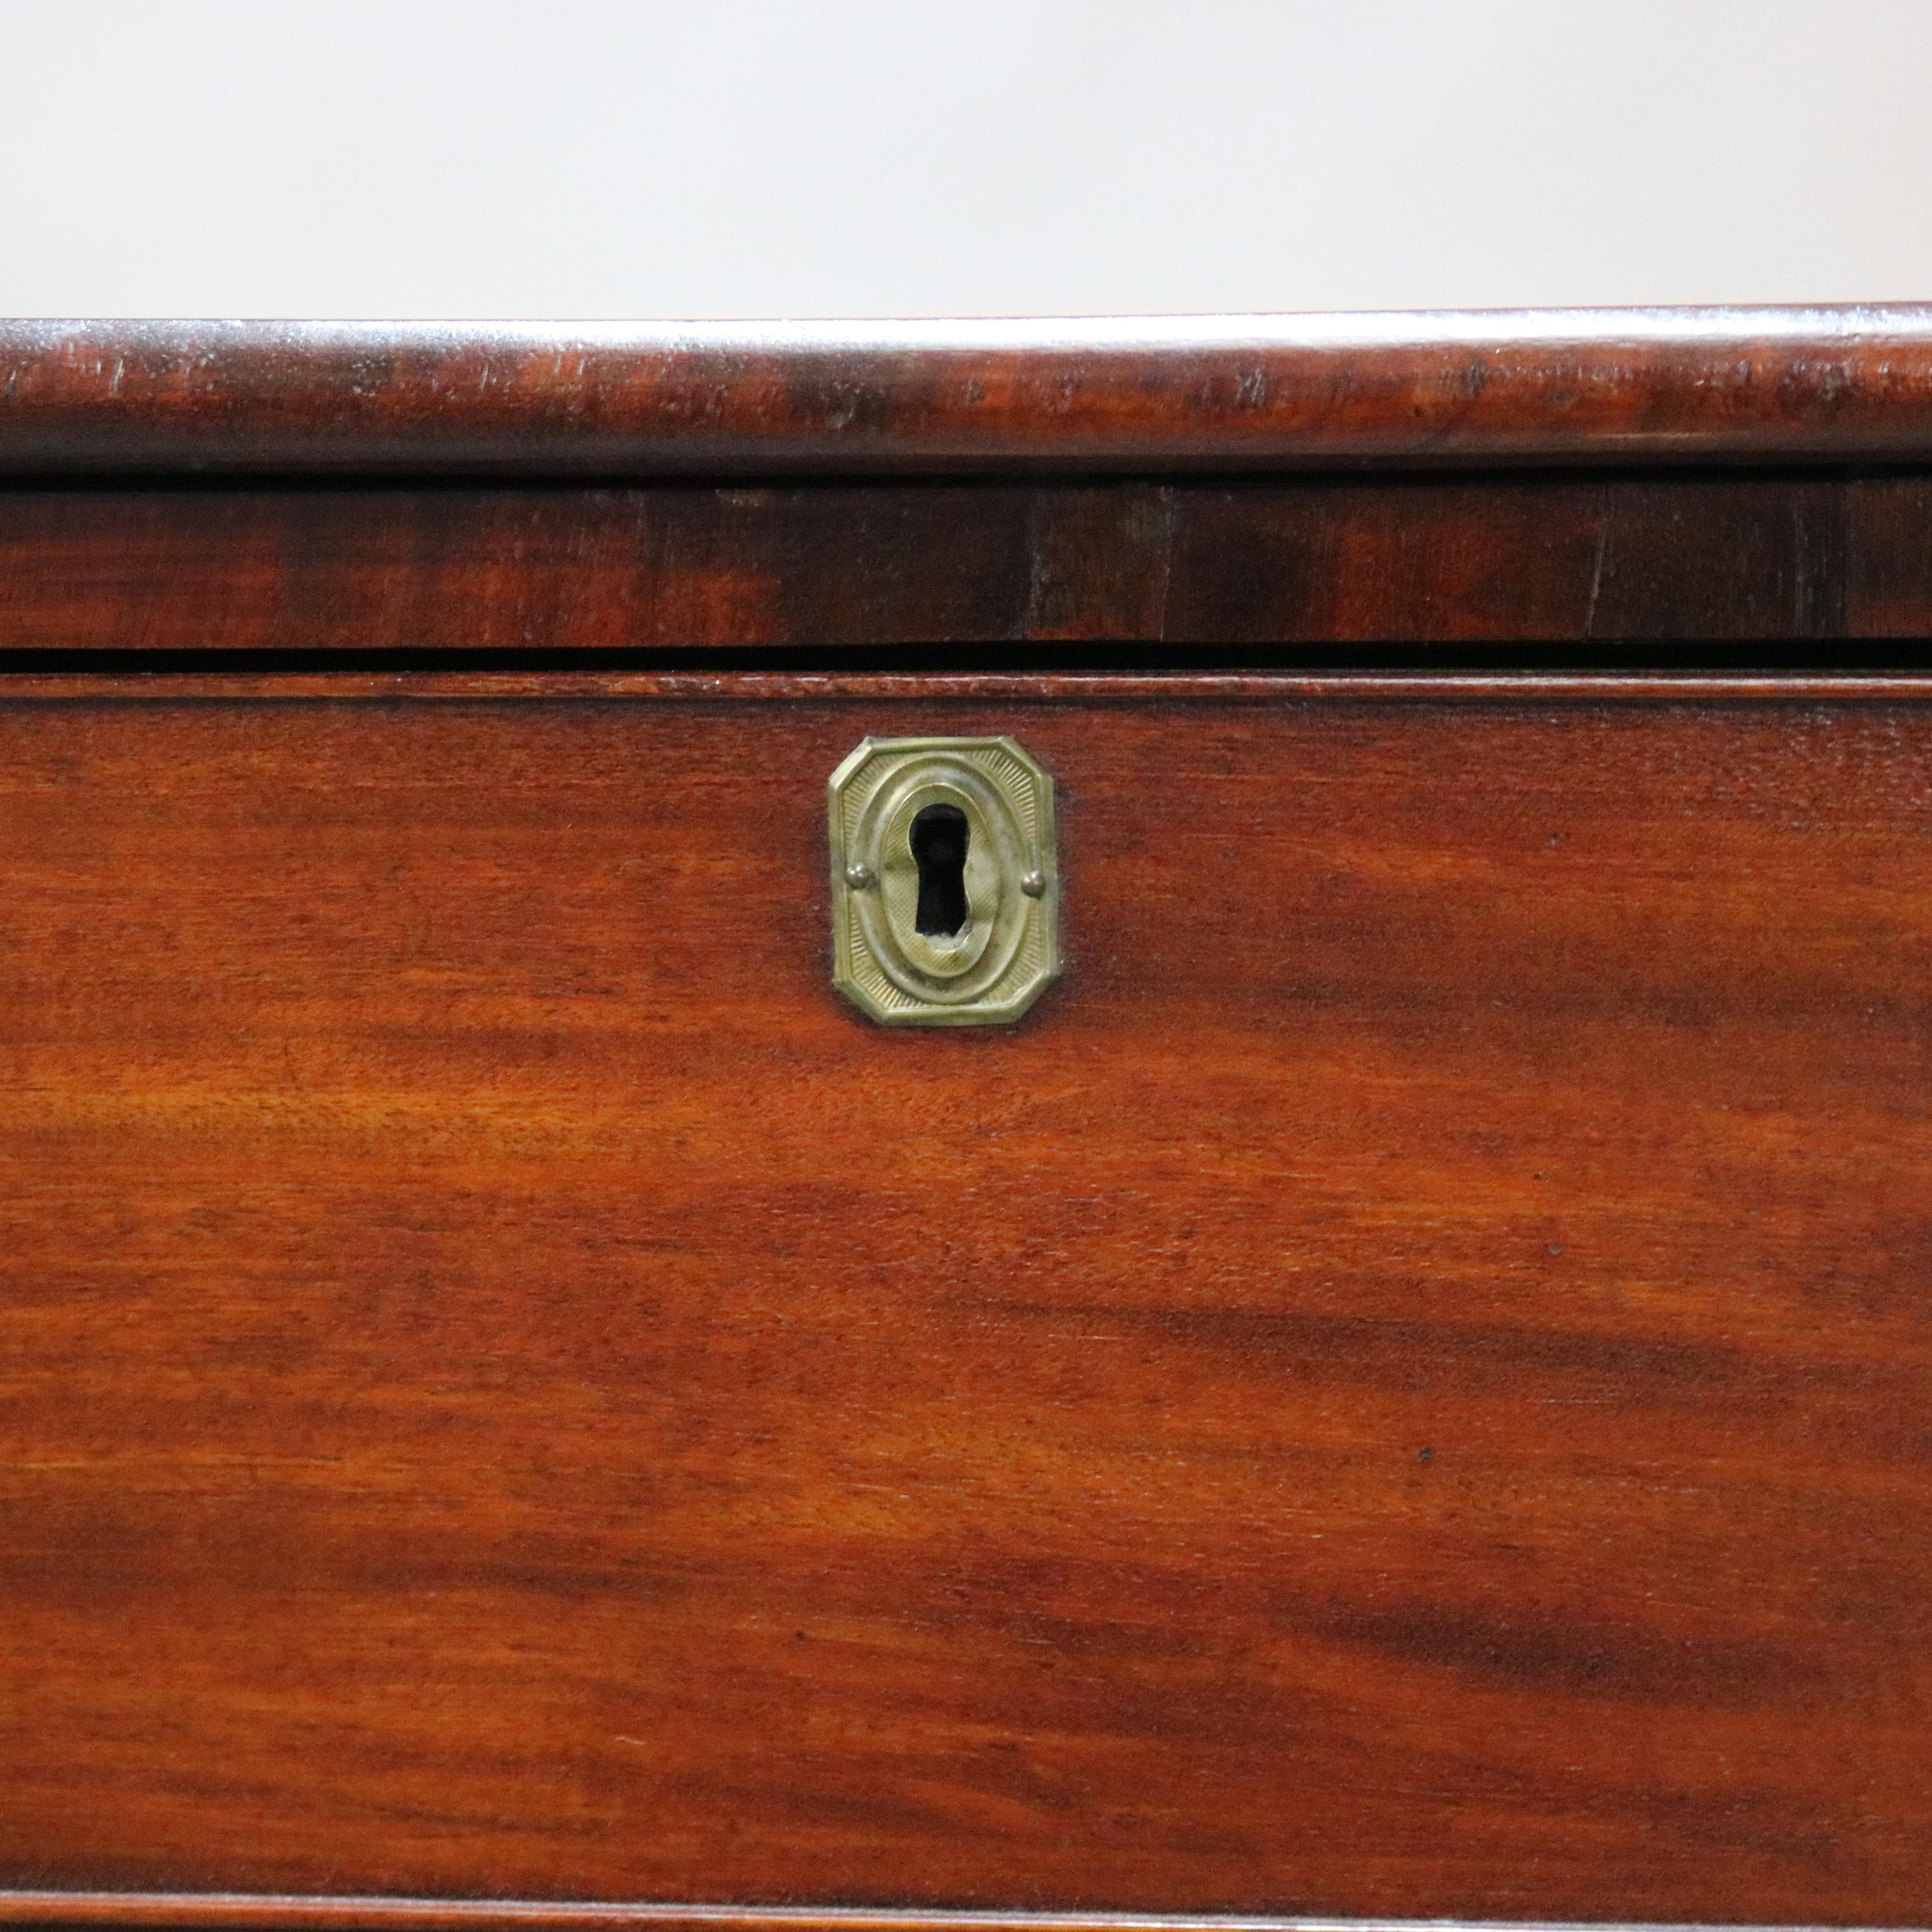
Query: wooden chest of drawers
[{"x": 1398, "y": 1390}]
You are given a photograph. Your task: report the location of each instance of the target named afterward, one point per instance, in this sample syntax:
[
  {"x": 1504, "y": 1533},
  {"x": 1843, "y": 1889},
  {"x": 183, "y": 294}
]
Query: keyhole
[{"x": 939, "y": 837}]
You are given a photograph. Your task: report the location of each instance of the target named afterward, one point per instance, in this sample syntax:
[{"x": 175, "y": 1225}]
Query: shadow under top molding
[{"x": 1630, "y": 386}]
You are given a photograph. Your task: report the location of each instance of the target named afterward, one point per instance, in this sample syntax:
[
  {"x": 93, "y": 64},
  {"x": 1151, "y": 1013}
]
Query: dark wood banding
[
  {"x": 1229, "y": 563},
  {"x": 1834, "y": 384}
]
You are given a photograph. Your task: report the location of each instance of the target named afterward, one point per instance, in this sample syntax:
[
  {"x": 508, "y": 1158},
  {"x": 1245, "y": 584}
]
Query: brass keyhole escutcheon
[{"x": 944, "y": 881}]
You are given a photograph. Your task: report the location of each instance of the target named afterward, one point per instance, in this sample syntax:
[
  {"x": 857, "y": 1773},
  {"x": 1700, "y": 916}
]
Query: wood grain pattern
[
  {"x": 1767, "y": 558},
  {"x": 235, "y": 1912},
  {"x": 1630, "y": 385},
  {"x": 1400, "y": 1390},
  {"x": 215, "y": 1912}
]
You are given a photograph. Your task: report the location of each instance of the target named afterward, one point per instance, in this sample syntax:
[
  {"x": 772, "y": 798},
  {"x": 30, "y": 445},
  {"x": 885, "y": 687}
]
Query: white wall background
[{"x": 744, "y": 157}]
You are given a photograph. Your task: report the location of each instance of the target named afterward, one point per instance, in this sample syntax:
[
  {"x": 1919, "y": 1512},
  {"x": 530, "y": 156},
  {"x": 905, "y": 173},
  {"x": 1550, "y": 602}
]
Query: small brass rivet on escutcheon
[
  {"x": 859, "y": 877},
  {"x": 1033, "y": 884}
]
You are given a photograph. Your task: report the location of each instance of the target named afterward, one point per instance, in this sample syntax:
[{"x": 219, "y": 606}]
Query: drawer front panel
[{"x": 1400, "y": 1388}]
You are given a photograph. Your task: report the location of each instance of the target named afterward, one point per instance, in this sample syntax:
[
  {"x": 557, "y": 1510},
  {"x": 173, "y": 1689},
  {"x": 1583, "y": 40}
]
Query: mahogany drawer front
[{"x": 1400, "y": 1389}]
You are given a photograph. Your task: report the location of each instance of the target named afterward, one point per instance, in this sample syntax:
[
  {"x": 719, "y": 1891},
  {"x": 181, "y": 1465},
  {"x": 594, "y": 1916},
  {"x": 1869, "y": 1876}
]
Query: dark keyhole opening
[{"x": 939, "y": 838}]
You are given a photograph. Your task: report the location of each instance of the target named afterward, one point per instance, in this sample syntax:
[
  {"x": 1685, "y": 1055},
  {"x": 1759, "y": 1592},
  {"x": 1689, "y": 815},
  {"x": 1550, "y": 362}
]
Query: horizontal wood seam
[
  {"x": 282, "y": 1912},
  {"x": 1078, "y": 688}
]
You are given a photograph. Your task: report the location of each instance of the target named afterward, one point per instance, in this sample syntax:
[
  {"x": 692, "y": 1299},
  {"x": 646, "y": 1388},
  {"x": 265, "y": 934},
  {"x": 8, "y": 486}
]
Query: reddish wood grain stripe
[{"x": 201, "y": 1911}]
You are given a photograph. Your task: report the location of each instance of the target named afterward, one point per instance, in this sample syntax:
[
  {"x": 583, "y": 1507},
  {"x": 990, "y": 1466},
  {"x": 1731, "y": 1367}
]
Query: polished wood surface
[
  {"x": 1755, "y": 558},
  {"x": 242, "y": 1912},
  {"x": 1399, "y": 1390},
  {"x": 256, "y": 1912},
  {"x": 1629, "y": 385}
]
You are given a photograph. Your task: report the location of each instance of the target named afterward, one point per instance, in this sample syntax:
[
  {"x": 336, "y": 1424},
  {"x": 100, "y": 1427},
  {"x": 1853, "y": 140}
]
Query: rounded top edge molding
[{"x": 1113, "y": 395}]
